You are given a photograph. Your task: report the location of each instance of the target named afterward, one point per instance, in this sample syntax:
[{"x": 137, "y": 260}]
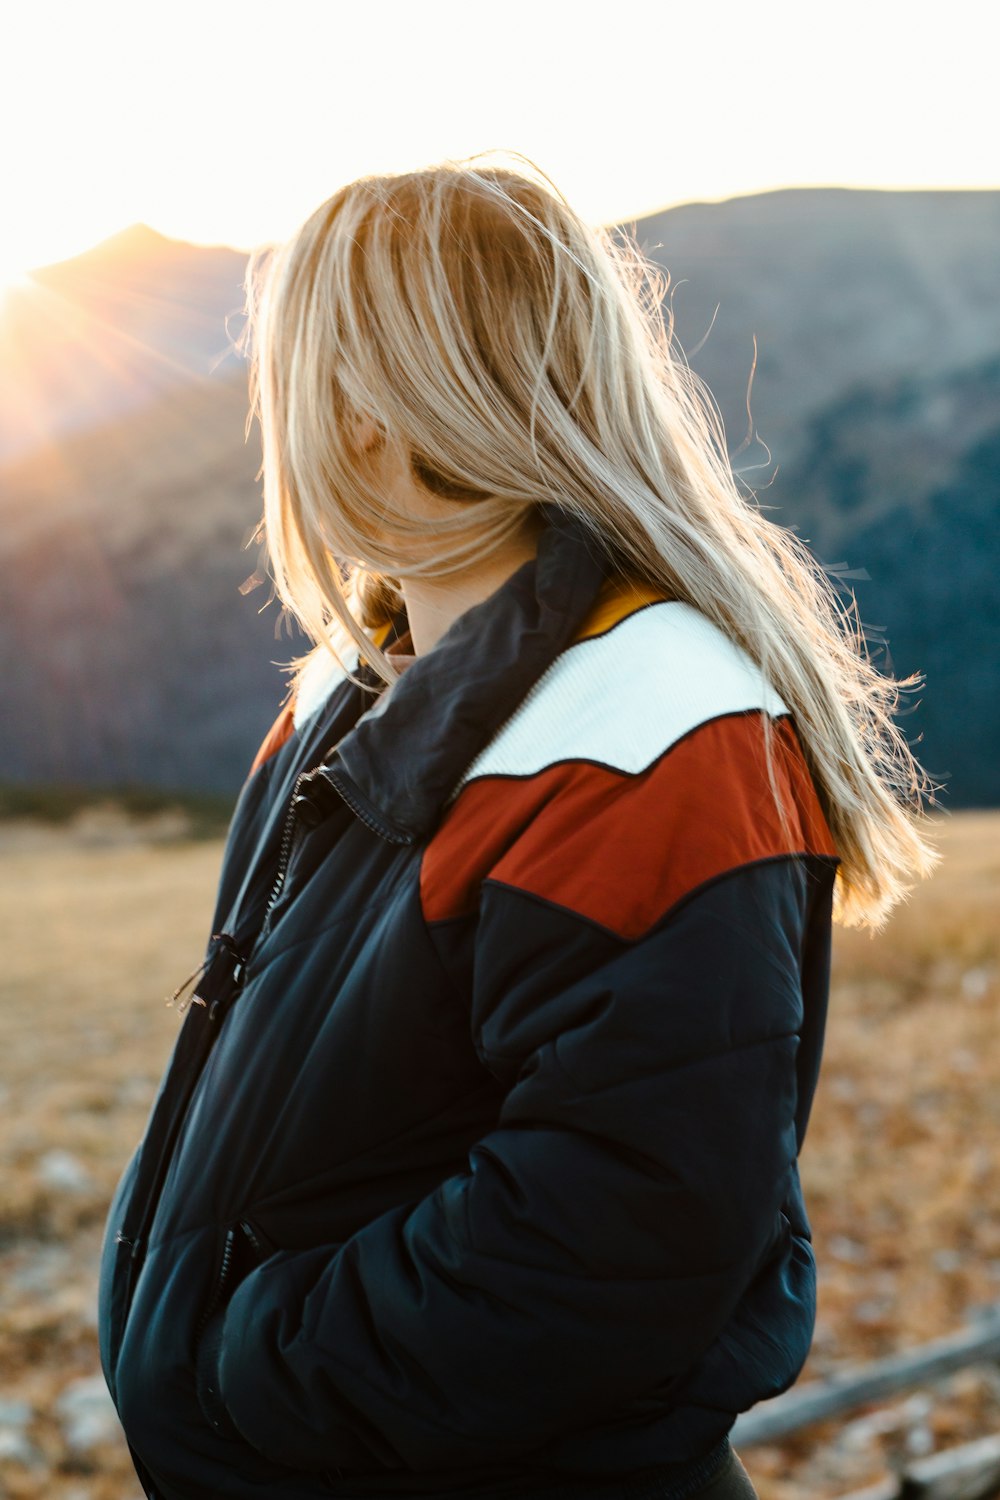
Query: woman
[{"x": 474, "y": 1171}]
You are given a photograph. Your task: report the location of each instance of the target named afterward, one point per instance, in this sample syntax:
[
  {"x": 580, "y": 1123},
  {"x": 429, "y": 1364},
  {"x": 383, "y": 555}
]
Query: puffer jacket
[{"x": 475, "y": 1164}]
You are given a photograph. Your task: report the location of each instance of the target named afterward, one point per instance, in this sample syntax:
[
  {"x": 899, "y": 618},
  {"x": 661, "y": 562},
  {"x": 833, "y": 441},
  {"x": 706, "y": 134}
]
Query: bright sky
[{"x": 230, "y": 120}]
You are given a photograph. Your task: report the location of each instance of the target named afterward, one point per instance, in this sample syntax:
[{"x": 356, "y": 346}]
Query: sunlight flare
[{"x": 13, "y": 279}]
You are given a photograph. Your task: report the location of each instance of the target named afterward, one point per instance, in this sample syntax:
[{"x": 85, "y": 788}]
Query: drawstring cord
[
  {"x": 220, "y": 941},
  {"x": 185, "y": 984}
]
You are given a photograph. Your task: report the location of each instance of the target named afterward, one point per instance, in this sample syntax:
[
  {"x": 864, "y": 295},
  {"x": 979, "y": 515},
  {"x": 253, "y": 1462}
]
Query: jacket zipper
[
  {"x": 220, "y": 1284},
  {"x": 284, "y": 855},
  {"x": 310, "y": 790},
  {"x": 227, "y": 988},
  {"x": 362, "y": 809},
  {"x": 261, "y": 1252},
  {"x": 308, "y": 803}
]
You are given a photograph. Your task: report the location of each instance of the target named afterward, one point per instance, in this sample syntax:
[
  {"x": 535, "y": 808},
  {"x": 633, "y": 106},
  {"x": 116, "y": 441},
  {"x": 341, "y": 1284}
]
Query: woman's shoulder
[
  {"x": 632, "y": 774},
  {"x": 644, "y": 671}
]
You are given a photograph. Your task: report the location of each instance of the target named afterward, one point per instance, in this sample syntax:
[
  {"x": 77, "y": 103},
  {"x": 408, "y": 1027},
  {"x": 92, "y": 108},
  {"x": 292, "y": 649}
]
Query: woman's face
[{"x": 390, "y": 474}]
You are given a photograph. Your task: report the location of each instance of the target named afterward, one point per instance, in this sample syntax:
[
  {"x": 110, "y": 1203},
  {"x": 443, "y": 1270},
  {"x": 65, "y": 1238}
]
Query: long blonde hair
[{"x": 519, "y": 356}]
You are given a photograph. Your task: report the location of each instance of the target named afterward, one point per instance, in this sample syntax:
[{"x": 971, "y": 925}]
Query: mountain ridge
[{"x": 129, "y": 654}]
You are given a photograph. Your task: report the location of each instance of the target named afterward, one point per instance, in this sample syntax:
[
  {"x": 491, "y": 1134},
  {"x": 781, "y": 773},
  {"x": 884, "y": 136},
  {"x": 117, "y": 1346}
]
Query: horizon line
[{"x": 214, "y": 243}]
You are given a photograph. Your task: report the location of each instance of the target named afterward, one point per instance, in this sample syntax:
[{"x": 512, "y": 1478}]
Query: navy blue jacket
[{"x": 476, "y": 1159}]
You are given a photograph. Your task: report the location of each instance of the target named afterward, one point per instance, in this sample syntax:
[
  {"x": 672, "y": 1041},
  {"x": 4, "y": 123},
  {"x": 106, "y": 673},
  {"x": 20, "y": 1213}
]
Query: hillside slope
[{"x": 128, "y": 653}]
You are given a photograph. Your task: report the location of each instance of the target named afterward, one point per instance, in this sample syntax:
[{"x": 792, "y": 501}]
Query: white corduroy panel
[
  {"x": 625, "y": 697},
  {"x": 319, "y": 678}
]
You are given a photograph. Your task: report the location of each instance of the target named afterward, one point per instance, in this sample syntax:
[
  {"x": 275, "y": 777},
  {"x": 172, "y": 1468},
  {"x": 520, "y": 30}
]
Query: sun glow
[
  {"x": 12, "y": 280},
  {"x": 127, "y": 121}
]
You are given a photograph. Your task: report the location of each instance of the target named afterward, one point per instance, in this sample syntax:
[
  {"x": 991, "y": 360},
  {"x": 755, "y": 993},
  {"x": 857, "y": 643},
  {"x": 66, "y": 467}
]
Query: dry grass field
[{"x": 103, "y": 917}]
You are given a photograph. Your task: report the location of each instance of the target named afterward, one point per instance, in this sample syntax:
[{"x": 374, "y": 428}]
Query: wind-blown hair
[{"x": 520, "y": 357}]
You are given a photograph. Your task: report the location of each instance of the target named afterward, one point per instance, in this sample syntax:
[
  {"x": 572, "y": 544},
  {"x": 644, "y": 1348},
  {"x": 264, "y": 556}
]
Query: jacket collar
[{"x": 404, "y": 757}]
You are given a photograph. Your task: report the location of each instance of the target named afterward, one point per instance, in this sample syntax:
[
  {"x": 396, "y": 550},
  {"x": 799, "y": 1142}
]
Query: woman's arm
[{"x": 607, "y": 1228}]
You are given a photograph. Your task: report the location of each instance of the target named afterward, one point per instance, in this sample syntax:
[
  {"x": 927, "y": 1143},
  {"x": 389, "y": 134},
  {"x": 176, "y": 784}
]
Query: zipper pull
[
  {"x": 262, "y": 1247},
  {"x": 315, "y": 798},
  {"x": 224, "y": 980}
]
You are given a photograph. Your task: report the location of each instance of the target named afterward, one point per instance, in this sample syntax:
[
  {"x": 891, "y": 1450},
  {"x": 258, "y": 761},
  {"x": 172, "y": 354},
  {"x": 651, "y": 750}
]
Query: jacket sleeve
[{"x": 606, "y": 1228}]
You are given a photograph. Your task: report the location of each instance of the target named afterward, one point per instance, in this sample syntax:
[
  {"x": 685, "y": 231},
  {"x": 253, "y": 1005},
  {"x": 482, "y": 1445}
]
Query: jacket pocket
[{"x": 244, "y": 1248}]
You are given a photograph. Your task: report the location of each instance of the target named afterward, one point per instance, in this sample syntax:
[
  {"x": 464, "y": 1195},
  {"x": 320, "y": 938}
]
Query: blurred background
[{"x": 822, "y": 186}]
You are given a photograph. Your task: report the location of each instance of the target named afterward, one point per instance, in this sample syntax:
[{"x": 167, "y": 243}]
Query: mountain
[
  {"x": 104, "y": 333},
  {"x": 128, "y": 653},
  {"x": 900, "y": 481},
  {"x": 840, "y": 288}
]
